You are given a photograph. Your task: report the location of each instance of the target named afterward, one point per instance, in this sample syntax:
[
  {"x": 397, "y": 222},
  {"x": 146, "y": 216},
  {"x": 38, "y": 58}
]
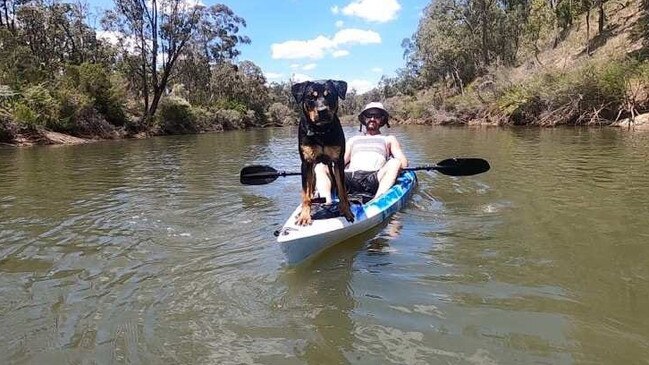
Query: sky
[{"x": 357, "y": 41}]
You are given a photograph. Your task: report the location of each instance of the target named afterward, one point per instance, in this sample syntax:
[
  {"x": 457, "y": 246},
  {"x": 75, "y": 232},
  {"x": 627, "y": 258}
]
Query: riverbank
[
  {"x": 640, "y": 123},
  {"x": 586, "y": 77},
  {"x": 44, "y": 137}
]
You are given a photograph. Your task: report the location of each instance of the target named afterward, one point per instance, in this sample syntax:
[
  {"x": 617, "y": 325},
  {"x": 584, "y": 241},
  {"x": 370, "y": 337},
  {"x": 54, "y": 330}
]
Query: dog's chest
[{"x": 316, "y": 153}]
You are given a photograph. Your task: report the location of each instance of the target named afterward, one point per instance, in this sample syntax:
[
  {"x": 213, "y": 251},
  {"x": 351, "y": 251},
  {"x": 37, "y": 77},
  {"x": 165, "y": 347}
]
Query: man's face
[{"x": 373, "y": 119}]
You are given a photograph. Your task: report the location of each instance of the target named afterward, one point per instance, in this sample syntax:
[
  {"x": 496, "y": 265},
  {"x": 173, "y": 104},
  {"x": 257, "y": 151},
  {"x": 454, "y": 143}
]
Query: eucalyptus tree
[
  {"x": 241, "y": 86},
  {"x": 157, "y": 33},
  {"x": 448, "y": 44},
  {"x": 39, "y": 38},
  {"x": 56, "y": 33},
  {"x": 8, "y": 13},
  {"x": 214, "y": 43}
]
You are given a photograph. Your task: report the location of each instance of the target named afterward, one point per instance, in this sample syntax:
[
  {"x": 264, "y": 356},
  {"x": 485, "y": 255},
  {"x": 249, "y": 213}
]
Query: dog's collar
[{"x": 311, "y": 131}]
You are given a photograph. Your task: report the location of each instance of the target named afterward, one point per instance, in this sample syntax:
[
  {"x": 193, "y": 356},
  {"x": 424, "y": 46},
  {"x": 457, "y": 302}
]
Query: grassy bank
[
  {"x": 582, "y": 77},
  {"x": 89, "y": 103}
]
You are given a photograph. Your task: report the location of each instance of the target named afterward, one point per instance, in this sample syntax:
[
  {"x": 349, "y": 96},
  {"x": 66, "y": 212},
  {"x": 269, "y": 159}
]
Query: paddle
[{"x": 261, "y": 174}]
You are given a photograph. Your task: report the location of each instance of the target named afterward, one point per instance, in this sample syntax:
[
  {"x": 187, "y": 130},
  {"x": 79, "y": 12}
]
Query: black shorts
[{"x": 362, "y": 182}]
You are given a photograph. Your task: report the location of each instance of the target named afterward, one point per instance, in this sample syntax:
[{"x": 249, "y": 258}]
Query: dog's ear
[
  {"x": 298, "y": 91},
  {"x": 341, "y": 88}
]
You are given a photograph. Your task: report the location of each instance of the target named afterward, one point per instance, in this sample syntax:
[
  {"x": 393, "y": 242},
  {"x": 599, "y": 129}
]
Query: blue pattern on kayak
[{"x": 385, "y": 203}]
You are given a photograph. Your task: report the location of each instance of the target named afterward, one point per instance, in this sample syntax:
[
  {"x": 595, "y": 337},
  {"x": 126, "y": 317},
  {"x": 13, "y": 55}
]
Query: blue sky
[{"x": 353, "y": 40}]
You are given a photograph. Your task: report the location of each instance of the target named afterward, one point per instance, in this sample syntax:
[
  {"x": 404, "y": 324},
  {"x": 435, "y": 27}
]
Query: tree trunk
[
  {"x": 456, "y": 76},
  {"x": 588, "y": 30},
  {"x": 145, "y": 80},
  {"x": 602, "y": 16},
  {"x": 485, "y": 45}
]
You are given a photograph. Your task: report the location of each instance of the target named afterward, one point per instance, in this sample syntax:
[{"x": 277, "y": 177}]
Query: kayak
[{"x": 300, "y": 243}]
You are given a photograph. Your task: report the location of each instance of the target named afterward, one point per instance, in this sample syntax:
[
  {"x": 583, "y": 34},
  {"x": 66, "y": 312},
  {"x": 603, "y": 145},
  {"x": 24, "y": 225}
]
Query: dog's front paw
[
  {"x": 304, "y": 218},
  {"x": 349, "y": 216}
]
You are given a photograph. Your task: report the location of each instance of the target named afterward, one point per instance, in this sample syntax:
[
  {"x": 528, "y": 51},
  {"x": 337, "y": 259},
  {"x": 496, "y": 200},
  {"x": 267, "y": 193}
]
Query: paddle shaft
[
  {"x": 260, "y": 174},
  {"x": 417, "y": 168}
]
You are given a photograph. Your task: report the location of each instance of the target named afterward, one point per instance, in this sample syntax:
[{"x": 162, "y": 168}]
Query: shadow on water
[{"x": 323, "y": 286}]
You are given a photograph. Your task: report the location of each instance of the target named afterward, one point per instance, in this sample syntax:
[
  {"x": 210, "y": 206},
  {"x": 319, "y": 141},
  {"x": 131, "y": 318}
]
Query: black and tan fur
[{"x": 321, "y": 139}]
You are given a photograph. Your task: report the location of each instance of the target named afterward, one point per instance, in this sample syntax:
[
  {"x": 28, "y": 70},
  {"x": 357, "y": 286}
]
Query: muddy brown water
[{"x": 151, "y": 252}]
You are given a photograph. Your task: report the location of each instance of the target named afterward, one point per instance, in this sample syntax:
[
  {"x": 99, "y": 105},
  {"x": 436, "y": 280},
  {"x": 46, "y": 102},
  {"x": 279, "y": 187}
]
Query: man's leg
[
  {"x": 387, "y": 175},
  {"x": 323, "y": 182}
]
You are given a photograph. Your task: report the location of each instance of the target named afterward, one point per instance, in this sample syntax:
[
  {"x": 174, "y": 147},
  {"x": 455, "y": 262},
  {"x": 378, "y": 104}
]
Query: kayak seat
[
  {"x": 360, "y": 198},
  {"x": 325, "y": 211}
]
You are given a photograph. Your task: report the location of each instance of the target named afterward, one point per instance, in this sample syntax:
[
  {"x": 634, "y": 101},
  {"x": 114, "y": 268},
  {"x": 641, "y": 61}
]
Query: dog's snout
[
  {"x": 323, "y": 114},
  {"x": 320, "y": 104}
]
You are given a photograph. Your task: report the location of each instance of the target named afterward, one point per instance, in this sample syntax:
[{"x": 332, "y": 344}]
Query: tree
[
  {"x": 8, "y": 13},
  {"x": 214, "y": 42},
  {"x": 240, "y": 86},
  {"x": 39, "y": 38},
  {"x": 158, "y": 32}
]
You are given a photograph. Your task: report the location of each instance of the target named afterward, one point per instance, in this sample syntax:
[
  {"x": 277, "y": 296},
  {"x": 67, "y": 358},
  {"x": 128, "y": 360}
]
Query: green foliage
[
  {"x": 231, "y": 119},
  {"x": 205, "y": 120},
  {"x": 93, "y": 80},
  {"x": 280, "y": 114},
  {"x": 591, "y": 94},
  {"x": 230, "y": 104},
  {"x": 72, "y": 104},
  {"x": 240, "y": 87},
  {"x": 202, "y": 35},
  {"x": 539, "y": 26},
  {"x": 176, "y": 117},
  {"x": 520, "y": 103},
  {"x": 26, "y": 115},
  {"x": 37, "y": 107},
  {"x": 565, "y": 13},
  {"x": 8, "y": 127}
]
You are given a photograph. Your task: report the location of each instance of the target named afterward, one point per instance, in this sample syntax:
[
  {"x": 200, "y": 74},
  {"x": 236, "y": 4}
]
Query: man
[{"x": 373, "y": 160}]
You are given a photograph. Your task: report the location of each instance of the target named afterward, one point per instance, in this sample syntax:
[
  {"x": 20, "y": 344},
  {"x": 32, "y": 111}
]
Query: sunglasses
[{"x": 369, "y": 116}]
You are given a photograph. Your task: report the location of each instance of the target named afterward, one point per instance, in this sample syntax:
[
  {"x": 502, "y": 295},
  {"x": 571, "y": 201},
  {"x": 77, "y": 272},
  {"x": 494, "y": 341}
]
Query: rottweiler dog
[{"x": 321, "y": 139}]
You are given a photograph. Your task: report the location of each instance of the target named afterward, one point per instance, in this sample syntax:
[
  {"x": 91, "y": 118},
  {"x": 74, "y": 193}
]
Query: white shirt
[{"x": 368, "y": 153}]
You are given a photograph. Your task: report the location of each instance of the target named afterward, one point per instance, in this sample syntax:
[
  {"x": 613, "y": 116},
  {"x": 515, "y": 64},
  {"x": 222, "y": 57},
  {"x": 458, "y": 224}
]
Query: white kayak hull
[{"x": 300, "y": 243}]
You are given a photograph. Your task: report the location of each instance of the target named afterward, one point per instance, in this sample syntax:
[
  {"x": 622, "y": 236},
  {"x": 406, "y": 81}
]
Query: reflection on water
[{"x": 151, "y": 252}]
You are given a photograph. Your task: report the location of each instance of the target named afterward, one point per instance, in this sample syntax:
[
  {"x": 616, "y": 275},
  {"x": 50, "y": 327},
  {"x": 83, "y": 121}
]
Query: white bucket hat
[
  {"x": 378, "y": 106},
  {"x": 374, "y": 105}
]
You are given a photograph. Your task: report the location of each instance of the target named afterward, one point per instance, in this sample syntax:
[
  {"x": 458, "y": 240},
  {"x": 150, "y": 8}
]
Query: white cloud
[
  {"x": 321, "y": 45},
  {"x": 378, "y": 70},
  {"x": 361, "y": 86},
  {"x": 340, "y": 53},
  {"x": 314, "y": 48},
  {"x": 356, "y": 36},
  {"x": 108, "y": 36},
  {"x": 194, "y": 3},
  {"x": 373, "y": 10},
  {"x": 119, "y": 39},
  {"x": 335, "y": 10},
  {"x": 296, "y": 77},
  {"x": 309, "y": 66},
  {"x": 339, "y": 24},
  {"x": 294, "y": 65}
]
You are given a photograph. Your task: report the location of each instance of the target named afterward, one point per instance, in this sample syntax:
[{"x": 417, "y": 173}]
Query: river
[{"x": 151, "y": 252}]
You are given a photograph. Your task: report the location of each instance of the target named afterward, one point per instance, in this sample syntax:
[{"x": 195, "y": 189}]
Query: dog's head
[{"x": 319, "y": 99}]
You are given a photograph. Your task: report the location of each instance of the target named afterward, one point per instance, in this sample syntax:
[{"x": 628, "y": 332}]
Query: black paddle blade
[
  {"x": 462, "y": 166},
  {"x": 258, "y": 175}
]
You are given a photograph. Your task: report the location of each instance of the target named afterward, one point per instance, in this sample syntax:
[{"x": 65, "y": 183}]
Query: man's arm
[
  {"x": 348, "y": 150},
  {"x": 396, "y": 152}
]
